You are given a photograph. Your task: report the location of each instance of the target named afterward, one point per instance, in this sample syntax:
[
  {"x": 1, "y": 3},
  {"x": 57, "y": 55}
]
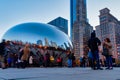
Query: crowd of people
[{"x": 21, "y": 55}]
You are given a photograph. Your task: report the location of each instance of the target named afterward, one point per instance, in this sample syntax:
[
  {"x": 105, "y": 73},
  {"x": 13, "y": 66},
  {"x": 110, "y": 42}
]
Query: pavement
[{"x": 59, "y": 74}]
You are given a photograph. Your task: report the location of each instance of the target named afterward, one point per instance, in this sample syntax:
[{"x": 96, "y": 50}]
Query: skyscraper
[
  {"x": 80, "y": 28},
  {"x": 61, "y": 24},
  {"x": 78, "y": 12}
]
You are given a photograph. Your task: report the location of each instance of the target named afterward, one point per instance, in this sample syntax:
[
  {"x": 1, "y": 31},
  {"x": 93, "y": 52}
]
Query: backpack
[
  {"x": 51, "y": 58},
  {"x": 58, "y": 60}
]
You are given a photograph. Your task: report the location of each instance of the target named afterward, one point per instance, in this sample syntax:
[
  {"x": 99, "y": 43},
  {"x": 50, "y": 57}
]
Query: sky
[{"x": 13, "y": 12}]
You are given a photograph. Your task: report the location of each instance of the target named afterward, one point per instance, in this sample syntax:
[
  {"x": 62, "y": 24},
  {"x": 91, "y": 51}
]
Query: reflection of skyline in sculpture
[
  {"x": 39, "y": 42},
  {"x": 43, "y": 34},
  {"x": 46, "y": 42}
]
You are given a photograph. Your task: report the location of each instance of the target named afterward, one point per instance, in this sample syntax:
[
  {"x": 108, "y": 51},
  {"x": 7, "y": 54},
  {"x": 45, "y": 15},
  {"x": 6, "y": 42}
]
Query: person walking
[
  {"x": 93, "y": 44},
  {"x": 107, "y": 51}
]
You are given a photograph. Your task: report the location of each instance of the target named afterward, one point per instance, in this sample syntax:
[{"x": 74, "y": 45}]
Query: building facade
[
  {"x": 109, "y": 28},
  {"x": 61, "y": 24},
  {"x": 80, "y": 28}
]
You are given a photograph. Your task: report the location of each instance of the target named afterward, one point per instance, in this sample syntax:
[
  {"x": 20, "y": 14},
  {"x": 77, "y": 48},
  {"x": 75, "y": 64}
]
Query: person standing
[
  {"x": 2, "y": 53},
  {"x": 108, "y": 51},
  {"x": 93, "y": 44},
  {"x": 69, "y": 60},
  {"x": 59, "y": 61},
  {"x": 31, "y": 60},
  {"x": 24, "y": 58},
  {"x": 52, "y": 59},
  {"x": 47, "y": 59}
]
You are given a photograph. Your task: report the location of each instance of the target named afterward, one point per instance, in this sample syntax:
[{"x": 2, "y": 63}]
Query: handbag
[{"x": 105, "y": 51}]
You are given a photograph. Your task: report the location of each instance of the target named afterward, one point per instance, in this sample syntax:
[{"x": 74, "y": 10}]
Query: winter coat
[
  {"x": 26, "y": 52},
  {"x": 109, "y": 47},
  {"x": 93, "y": 42}
]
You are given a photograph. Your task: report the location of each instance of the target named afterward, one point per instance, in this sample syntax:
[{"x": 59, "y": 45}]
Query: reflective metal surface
[{"x": 39, "y": 33}]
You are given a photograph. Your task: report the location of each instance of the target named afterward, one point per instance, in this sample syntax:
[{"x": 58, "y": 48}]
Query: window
[{"x": 103, "y": 18}]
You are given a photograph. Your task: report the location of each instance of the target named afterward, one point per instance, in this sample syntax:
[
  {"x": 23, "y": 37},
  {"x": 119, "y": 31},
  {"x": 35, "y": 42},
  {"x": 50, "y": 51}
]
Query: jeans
[
  {"x": 109, "y": 61},
  {"x": 69, "y": 62},
  {"x": 96, "y": 59}
]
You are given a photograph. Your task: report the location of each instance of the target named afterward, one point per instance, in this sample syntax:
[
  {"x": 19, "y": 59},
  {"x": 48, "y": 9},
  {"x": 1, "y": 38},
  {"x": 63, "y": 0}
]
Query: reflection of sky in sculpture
[{"x": 31, "y": 32}]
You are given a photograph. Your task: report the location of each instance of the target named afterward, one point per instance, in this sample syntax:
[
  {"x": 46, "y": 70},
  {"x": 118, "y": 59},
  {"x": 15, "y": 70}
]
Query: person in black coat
[{"x": 93, "y": 44}]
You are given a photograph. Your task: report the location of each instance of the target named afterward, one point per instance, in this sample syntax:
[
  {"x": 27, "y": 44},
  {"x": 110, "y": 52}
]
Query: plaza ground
[{"x": 59, "y": 74}]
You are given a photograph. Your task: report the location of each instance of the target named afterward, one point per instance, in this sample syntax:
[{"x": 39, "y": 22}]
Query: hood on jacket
[{"x": 93, "y": 34}]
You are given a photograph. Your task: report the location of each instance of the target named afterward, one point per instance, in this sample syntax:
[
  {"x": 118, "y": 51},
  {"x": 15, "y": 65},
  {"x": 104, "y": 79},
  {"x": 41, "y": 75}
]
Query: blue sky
[{"x": 14, "y": 12}]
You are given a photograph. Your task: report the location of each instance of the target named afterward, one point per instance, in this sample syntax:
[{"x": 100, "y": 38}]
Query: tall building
[
  {"x": 61, "y": 24},
  {"x": 109, "y": 28},
  {"x": 80, "y": 28}
]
